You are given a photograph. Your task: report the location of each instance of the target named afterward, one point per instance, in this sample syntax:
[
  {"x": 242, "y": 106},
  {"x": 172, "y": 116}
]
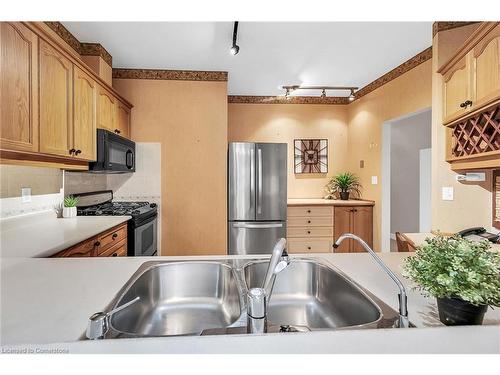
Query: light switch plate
[
  {"x": 25, "y": 195},
  {"x": 374, "y": 180},
  {"x": 447, "y": 193}
]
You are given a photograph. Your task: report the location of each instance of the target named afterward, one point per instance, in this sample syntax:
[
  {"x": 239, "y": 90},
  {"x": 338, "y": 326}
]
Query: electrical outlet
[
  {"x": 25, "y": 195},
  {"x": 447, "y": 193},
  {"x": 374, "y": 180}
]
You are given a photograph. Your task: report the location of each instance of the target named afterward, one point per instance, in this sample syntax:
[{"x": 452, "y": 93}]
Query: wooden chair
[{"x": 404, "y": 245}]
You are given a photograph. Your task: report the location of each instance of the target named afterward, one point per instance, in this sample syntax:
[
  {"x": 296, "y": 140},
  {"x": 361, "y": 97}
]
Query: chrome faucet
[
  {"x": 258, "y": 298},
  {"x": 403, "y": 321},
  {"x": 98, "y": 323}
]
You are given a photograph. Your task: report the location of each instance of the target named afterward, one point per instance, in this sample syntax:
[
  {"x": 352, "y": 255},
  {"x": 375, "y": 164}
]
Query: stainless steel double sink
[{"x": 208, "y": 297}]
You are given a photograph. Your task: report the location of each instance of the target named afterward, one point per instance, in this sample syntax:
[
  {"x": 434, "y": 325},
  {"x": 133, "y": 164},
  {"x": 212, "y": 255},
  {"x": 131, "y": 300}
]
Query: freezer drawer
[{"x": 254, "y": 237}]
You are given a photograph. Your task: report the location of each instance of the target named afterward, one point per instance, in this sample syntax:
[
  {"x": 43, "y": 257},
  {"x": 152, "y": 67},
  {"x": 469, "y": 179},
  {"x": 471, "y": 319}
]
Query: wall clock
[{"x": 311, "y": 156}]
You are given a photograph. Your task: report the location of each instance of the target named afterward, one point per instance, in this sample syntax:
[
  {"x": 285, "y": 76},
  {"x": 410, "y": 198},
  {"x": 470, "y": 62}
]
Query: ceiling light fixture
[
  {"x": 235, "y": 48},
  {"x": 290, "y": 88}
]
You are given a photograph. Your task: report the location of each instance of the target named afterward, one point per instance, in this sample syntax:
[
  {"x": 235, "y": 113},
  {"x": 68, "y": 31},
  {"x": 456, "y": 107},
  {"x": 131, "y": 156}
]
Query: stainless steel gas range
[{"x": 142, "y": 228}]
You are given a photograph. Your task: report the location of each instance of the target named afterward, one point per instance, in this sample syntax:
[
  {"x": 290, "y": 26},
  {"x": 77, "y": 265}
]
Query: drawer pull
[
  {"x": 308, "y": 247},
  {"x": 308, "y": 232},
  {"x": 308, "y": 221},
  {"x": 97, "y": 243},
  {"x": 308, "y": 211},
  {"x": 114, "y": 236},
  {"x": 115, "y": 254}
]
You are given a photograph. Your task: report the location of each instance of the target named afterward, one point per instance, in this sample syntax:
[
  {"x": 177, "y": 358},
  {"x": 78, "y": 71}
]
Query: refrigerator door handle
[
  {"x": 259, "y": 182},
  {"x": 257, "y": 226},
  {"x": 252, "y": 178}
]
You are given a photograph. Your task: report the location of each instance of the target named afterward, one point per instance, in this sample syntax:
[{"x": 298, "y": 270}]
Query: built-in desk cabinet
[
  {"x": 471, "y": 101},
  {"x": 314, "y": 228}
]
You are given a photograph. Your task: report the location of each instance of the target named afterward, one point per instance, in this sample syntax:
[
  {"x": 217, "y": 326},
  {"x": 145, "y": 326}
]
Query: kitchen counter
[
  {"x": 48, "y": 302},
  {"x": 42, "y": 235},
  {"x": 327, "y": 202}
]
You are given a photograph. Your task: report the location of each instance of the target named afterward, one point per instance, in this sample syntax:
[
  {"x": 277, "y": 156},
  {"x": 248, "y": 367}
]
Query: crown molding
[
  {"x": 82, "y": 48},
  {"x": 173, "y": 75},
  {"x": 254, "y": 99},
  {"x": 448, "y": 25}
]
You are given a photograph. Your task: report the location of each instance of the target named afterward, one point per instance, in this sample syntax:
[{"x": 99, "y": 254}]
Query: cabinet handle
[
  {"x": 115, "y": 255},
  {"x": 308, "y": 247},
  {"x": 72, "y": 151},
  {"x": 78, "y": 152},
  {"x": 114, "y": 235},
  {"x": 466, "y": 104},
  {"x": 308, "y": 232},
  {"x": 117, "y": 131},
  {"x": 308, "y": 221},
  {"x": 97, "y": 244},
  {"x": 308, "y": 211}
]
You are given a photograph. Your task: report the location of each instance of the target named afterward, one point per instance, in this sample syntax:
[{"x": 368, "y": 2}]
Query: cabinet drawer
[
  {"x": 309, "y": 245},
  {"x": 118, "y": 250},
  {"x": 83, "y": 249},
  {"x": 322, "y": 221},
  {"x": 112, "y": 237},
  {"x": 310, "y": 211},
  {"x": 307, "y": 232}
]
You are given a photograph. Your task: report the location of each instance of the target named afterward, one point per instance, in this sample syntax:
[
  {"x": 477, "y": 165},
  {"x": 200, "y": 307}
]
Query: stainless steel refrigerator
[{"x": 256, "y": 196}]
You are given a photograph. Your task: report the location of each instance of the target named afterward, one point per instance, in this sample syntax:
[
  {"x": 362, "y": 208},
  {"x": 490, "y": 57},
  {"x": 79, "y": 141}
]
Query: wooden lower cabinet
[
  {"x": 357, "y": 220},
  {"x": 111, "y": 243}
]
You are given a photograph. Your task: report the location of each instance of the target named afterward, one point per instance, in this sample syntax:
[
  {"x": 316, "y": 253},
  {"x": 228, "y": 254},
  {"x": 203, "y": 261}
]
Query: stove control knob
[{"x": 152, "y": 205}]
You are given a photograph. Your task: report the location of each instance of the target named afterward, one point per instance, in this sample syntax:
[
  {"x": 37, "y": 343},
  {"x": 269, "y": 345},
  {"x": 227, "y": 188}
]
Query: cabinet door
[
  {"x": 362, "y": 226},
  {"x": 343, "y": 224},
  {"x": 486, "y": 69},
  {"x": 84, "y": 124},
  {"x": 18, "y": 87},
  {"x": 122, "y": 119},
  {"x": 56, "y": 93},
  {"x": 456, "y": 90},
  {"x": 106, "y": 110}
]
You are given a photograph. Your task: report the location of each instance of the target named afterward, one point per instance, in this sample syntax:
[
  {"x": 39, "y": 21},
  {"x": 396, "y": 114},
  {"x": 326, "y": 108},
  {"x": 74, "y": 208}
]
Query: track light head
[
  {"x": 323, "y": 93},
  {"x": 352, "y": 97},
  {"x": 234, "y": 49}
]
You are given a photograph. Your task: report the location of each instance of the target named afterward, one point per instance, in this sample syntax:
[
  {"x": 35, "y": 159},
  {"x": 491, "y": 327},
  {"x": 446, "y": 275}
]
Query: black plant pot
[
  {"x": 457, "y": 312},
  {"x": 344, "y": 195}
]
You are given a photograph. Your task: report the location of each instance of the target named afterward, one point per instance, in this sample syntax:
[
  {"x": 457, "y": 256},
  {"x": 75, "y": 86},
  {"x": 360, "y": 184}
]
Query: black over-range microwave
[{"x": 115, "y": 154}]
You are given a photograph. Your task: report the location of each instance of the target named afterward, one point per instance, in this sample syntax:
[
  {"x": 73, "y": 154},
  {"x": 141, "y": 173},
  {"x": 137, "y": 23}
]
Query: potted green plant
[
  {"x": 464, "y": 276},
  {"x": 342, "y": 185},
  {"x": 69, "y": 209}
]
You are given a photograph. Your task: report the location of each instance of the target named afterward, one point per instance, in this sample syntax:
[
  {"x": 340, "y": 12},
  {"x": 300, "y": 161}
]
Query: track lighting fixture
[
  {"x": 290, "y": 88},
  {"x": 235, "y": 48}
]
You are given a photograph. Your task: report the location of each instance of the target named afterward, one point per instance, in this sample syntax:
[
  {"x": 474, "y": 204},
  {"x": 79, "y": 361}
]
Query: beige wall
[
  {"x": 189, "y": 119},
  {"x": 406, "y": 94},
  {"x": 286, "y": 122},
  {"x": 471, "y": 206}
]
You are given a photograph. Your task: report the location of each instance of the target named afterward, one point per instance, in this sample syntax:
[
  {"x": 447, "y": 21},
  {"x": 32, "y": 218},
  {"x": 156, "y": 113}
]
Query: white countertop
[
  {"x": 48, "y": 301},
  {"x": 327, "y": 202},
  {"x": 42, "y": 235}
]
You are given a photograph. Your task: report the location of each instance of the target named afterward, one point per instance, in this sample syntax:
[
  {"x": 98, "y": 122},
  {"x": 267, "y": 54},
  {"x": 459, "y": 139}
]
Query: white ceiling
[{"x": 271, "y": 53}]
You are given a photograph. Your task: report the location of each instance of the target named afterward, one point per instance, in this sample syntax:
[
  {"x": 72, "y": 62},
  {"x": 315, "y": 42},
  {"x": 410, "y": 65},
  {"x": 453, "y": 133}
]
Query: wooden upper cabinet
[
  {"x": 56, "y": 105},
  {"x": 18, "y": 87},
  {"x": 486, "y": 67},
  {"x": 456, "y": 90},
  {"x": 106, "y": 109},
  {"x": 122, "y": 119},
  {"x": 84, "y": 115}
]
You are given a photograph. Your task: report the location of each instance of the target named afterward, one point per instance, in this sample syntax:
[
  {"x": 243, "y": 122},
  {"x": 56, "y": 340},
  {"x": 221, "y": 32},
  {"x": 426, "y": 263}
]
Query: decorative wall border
[
  {"x": 85, "y": 49},
  {"x": 251, "y": 99},
  {"x": 177, "y": 75},
  {"x": 448, "y": 25}
]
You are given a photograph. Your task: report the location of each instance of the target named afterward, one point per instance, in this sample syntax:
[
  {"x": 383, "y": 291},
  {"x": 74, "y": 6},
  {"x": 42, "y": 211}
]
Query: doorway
[{"x": 406, "y": 176}]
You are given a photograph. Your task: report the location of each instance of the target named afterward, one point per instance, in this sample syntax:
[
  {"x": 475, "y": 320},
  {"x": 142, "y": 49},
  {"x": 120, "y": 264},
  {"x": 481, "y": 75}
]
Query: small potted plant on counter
[
  {"x": 464, "y": 276},
  {"x": 342, "y": 185},
  {"x": 69, "y": 209}
]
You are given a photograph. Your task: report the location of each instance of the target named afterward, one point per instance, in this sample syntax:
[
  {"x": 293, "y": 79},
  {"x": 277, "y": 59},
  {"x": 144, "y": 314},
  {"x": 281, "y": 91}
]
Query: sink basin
[
  {"x": 310, "y": 294},
  {"x": 178, "y": 299}
]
